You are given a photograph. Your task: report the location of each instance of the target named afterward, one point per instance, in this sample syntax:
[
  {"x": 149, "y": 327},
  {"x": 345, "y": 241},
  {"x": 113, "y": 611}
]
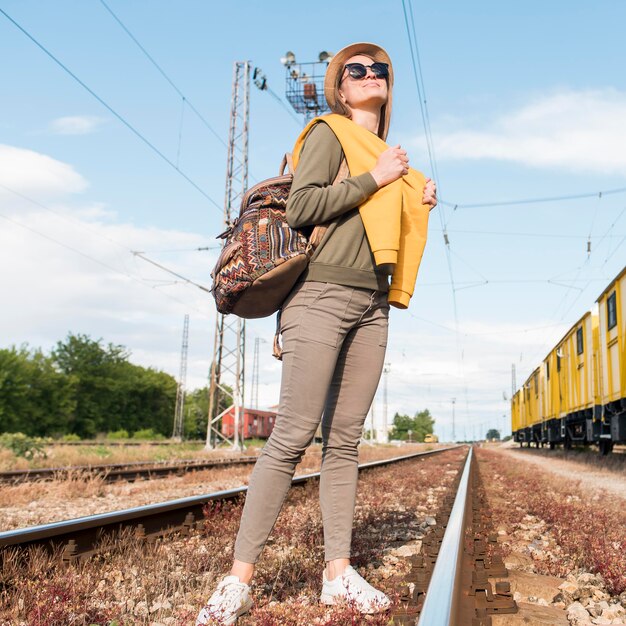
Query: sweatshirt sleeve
[{"x": 313, "y": 198}]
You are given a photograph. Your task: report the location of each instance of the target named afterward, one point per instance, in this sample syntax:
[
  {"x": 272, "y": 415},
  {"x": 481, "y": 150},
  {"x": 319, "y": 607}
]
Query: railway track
[
  {"x": 447, "y": 583},
  {"x": 107, "y": 443},
  {"x": 79, "y": 538},
  {"x": 128, "y": 472}
]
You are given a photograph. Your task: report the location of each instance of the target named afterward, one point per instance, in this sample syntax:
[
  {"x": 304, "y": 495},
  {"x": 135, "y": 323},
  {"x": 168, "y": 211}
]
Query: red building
[{"x": 253, "y": 423}]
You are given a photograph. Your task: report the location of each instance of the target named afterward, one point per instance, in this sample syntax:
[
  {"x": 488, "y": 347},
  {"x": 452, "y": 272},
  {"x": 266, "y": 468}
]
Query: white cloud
[
  {"x": 52, "y": 290},
  {"x": 91, "y": 285},
  {"x": 573, "y": 130},
  {"x": 27, "y": 171},
  {"x": 76, "y": 125}
]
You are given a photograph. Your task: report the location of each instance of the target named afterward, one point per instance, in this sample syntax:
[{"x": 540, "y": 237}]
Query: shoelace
[
  {"x": 230, "y": 594},
  {"x": 357, "y": 585}
]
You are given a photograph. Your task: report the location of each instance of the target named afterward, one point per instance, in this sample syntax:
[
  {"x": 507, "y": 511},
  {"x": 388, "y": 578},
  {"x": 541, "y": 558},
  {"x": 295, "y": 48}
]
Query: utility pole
[
  {"x": 254, "y": 396},
  {"x": 453, "y": 433},
  {"x": 230, "y": 331},
  {"x": 513, "y": 385},
  {"x": 177, "y": 433},
  {"x": 386, "y": 369}
]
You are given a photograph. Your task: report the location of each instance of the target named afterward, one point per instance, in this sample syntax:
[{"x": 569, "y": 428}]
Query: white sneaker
[
  {"x": 230, "y": 600},
  {"x": 352, "y": 587}
]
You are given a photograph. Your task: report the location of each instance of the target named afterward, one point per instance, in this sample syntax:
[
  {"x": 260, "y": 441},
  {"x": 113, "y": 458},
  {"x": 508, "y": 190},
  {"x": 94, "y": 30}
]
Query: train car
[
  {"x": 612, "y": 363},
  {"x": 431, "y": 438},
  {"x": 528, "y": 412},
  {"x": 532, "y": 408},
  {"x": 254, "y": 423},
  {"x": 516, "y": 421},
  {"x": 578, "y": 394},
  {"x": 570, "y": 386},
  {"x": 550, "y": 405}
]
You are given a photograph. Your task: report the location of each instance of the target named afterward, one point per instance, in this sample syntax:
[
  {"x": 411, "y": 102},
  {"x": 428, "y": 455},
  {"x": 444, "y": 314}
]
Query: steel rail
[
  {"x": 78, "y": 537},
  {"x": 442, "y": 601},
  {"x": 104, "y": 442},
  {"x": 122, "y": 471}
]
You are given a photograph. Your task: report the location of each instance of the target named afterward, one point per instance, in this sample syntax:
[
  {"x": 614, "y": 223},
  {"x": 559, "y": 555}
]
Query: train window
[
  {"x": 558, "y": 362},
  {"x": 548, "y": 370},
  {"x": 611, "y": 311},
  {"x": 536, "y": 381},
  {"x": 580, "y": 347}
]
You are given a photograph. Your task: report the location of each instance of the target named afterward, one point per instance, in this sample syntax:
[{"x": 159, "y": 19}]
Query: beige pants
[{"x": 334, "y": 341}]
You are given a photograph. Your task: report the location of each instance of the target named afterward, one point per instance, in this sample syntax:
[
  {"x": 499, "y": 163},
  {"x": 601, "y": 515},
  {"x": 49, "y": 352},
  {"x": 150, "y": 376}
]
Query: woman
[{"x": 334, "y": 328}]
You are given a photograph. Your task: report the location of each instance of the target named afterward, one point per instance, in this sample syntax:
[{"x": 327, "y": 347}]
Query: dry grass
[
  {"x": 168, "y": 581},
  {"x": 100, "y": 453},
  {"x": 588, "y": 530},
  {"x": 80, "y": 493},
  {"x": 75, "y": 484}
]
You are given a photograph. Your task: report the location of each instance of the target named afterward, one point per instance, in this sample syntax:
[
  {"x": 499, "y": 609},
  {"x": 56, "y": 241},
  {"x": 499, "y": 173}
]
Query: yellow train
[
  {"x": 578, "y": 393},
  {"x": 431, "y": 438}
]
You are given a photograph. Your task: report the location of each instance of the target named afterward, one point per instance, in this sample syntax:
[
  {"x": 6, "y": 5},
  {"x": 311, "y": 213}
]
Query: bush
[
  {"x": 24, "y": 446},
  {"x": 70, "y": 437},
  {"x": 118, "y": 434},
  {"x": 148, "y": 434}
]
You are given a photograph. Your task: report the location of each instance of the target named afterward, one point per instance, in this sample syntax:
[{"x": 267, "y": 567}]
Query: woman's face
[{"x": 365, "y": 93}]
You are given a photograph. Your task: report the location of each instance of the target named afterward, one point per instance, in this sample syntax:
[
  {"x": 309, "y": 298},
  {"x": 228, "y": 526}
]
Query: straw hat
[{"x": 335, "y": 71}]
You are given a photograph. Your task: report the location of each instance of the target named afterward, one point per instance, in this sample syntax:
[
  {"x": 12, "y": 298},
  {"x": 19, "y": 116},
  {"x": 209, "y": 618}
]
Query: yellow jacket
[{"x": 395, "y": 220}]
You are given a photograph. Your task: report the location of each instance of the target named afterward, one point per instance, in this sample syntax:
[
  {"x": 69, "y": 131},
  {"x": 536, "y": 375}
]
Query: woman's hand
[
  {"x": 430, "y": 194},
  {"x": 391, "y": 165}
]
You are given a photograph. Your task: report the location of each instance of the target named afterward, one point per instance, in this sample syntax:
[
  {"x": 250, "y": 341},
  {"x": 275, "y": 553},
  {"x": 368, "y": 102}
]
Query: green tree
[
  {"x": 111, "y": 393},
  {"x": 493, "y": 433},
  {"x": 420, "y": 425},
  {"x": 197, "y": 410},
  {"x": 84, "y": 388},
  {"x": 35, "y": 398},
  {"x": 195, "y": 413},
  {"x": 93, "y": 368}
]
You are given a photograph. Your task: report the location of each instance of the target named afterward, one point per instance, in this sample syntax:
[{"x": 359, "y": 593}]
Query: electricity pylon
[
  {"x": 230, "y": 331},
  {"x": 177, "y": 433}
]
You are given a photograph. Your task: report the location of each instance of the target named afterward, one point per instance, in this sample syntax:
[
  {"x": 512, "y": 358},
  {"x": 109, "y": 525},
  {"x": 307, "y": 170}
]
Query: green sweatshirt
[{"x": 344, "y": 256}]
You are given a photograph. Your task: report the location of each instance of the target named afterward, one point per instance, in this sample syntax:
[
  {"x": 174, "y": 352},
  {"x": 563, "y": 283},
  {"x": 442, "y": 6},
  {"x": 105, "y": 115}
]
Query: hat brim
[{"x": 335, "y": 69}]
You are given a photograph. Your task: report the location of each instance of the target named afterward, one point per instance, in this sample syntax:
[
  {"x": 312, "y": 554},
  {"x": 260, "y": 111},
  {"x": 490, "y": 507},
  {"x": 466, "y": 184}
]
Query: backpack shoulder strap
[
  {"x": 288, "y": 163},
  {"x": 320, "y": 230},
  {"x": 314, "y": 240}
]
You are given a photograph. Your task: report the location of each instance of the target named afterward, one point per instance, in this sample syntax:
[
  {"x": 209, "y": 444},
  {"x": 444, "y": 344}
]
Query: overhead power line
[
  {"x": 419, "y": 84},
  {"x": 282, "y": 104},
  {"x": 580, "y": 196},
  {"x": 105, "y": 237},
  {"x": 421, "y": 92},
  {"x": 500, "y": 233},
  {"x": 97, "y": 261},
  {"x": 172, "y": 272},
  {"x": 112, "y": 111},
  {"x": 490, "y": 332},
  {"x": 163, "y": 73}
]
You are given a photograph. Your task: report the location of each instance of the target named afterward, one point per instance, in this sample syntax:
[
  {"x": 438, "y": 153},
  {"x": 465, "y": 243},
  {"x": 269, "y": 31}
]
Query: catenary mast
[
  {"x": 230, "y": 331},
  {"x": 182, "y": 382}
]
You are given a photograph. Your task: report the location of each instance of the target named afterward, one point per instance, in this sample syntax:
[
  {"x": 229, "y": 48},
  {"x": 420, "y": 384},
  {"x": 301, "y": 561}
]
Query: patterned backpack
[{"x": 263, "y": 256}]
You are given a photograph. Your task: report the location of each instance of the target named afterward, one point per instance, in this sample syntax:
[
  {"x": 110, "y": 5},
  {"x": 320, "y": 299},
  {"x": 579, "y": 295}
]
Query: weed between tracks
[
  {"x": 80, "y": 493},
  {"x": 168, "y": 581},
  {"x": 588, "y": 531}
]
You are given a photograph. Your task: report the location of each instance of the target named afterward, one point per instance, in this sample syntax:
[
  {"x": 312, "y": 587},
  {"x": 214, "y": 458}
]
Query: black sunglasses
[{"x": 358, "y": 71}]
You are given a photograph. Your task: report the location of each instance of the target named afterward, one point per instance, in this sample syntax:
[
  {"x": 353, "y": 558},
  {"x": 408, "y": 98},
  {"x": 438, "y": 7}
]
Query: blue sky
[{"x": 525, "y": 101}]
